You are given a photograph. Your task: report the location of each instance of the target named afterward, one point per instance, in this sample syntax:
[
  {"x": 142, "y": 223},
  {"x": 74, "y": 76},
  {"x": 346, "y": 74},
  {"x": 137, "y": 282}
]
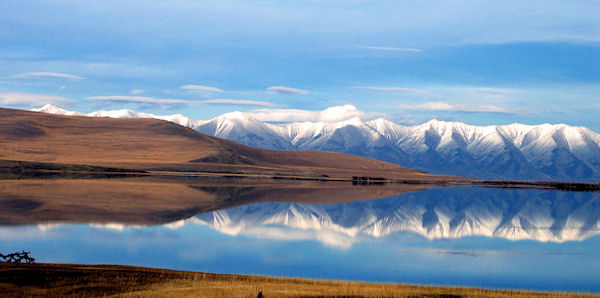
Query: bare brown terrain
[
  {"x": 161, "y": 146},
  {"x": 59, "y": 280}
]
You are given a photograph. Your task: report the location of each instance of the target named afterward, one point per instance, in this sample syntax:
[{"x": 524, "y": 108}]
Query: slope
[
  {"x": 151, "y": 144},
  {"x": 513, "y": 152}
]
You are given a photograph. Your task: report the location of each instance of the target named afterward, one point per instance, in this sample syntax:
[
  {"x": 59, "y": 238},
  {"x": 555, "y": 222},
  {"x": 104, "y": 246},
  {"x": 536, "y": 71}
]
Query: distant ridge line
[{"x": 512, "y": 152}]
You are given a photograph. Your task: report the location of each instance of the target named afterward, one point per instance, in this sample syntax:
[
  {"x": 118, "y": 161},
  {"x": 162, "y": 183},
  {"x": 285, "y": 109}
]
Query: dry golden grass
[{"x": 124, "y": 281}]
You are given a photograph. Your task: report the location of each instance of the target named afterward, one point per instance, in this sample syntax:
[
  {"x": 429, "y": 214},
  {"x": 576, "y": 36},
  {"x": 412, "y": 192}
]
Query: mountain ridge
[
  {"x": 159, "y": 146},
  {"x": 513, "y": 151}
]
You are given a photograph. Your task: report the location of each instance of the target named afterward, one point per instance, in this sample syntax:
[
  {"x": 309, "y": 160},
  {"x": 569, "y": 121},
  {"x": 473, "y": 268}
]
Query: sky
[{"x": 479, "y": 62}]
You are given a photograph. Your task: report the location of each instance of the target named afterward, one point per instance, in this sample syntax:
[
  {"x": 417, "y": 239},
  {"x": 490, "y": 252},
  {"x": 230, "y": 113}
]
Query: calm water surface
[{"x": 471, "y": 236}]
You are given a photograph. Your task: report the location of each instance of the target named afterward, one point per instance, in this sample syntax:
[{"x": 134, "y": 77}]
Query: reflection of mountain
[
  {"x": 158, "y": 200},
  {"x": 439, "y": 213}
]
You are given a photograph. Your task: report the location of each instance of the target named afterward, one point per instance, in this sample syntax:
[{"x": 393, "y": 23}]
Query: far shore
[
  {"x": 127, "y": 281},
  {"x": 12, "y": 169}
]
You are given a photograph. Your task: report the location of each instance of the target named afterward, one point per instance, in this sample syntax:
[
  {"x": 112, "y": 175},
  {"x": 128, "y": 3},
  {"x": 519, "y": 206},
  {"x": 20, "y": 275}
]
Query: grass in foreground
[{"x": 112, "y": 280}]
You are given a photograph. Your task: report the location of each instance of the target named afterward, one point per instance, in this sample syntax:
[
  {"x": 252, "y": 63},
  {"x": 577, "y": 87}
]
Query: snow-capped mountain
[
  {"x": 246, "y": 130},
  {"x": 176, "y": 118},
  {"x": 434, "y": 214},
  {"x": 515, "y": 151},
  {"x": 50, "y": 109}
]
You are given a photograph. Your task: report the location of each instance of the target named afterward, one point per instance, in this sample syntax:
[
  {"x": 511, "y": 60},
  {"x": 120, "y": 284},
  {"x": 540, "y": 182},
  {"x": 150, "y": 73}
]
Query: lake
[{"x": 459, "y": 236}]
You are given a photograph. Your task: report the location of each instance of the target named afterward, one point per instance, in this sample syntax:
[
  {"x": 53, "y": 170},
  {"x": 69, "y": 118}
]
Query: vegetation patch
[{"x": 126, "y": 281}]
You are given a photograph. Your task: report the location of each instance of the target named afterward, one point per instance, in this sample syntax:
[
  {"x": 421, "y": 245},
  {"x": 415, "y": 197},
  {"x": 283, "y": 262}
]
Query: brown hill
[
  {"x": 156, "y": 145},
  {"x": 165, "y": 199}
]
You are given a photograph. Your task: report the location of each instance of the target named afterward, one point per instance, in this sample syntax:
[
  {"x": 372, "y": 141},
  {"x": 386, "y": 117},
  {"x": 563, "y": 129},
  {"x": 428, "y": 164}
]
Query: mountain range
[
  {"x": 513, "y": 152},
  {"x": 34, "y": 143}
]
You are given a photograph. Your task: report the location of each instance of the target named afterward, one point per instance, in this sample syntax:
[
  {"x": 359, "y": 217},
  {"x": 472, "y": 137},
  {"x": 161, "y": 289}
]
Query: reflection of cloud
[
  {"x": 391, "y": 49},
  {"x": 30, "y": 99},
  {"x": 176, "y": 224},
  {"x": 201, "y": 88},
  {"x": 46, "y": 75},
  {"x": 331, "y": 114},
  {"x": 469, "y": 253},
  {"x": 8, "y": 233},
  {"x": 48, "y": 226},
  {"x": 112, "y": 226},
  {"x": 285, "y": 90},
  {"x": 329, "y": 238},
  {"x": 450, "y": 107}
]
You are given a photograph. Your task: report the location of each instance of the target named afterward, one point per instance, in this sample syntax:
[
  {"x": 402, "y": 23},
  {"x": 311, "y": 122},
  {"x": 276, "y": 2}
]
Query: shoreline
[
  {"x": 15, "y": 169},
  {"x": 44, "y": 279}
]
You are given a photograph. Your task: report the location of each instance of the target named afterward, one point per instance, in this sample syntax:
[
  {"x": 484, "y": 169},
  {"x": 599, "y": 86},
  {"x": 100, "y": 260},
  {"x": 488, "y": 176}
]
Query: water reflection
[
  {"x": 159, "y": 200},
  {"x": 464, "y": 236},
  {"x": 513, "y": 214}
]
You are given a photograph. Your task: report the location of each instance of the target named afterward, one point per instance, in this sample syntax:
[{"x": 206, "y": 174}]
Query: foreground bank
[{"x": 20, "y": 280}]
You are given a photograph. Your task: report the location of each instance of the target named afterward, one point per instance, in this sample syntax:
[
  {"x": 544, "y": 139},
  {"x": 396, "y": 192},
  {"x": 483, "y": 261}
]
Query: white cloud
[
  {"x": 397, "y": 89},
  {"x": 451, "y": 107},
  {"x": 46, "y": 75},
  {"x": 331, "y": 114},
  {"x": 285, "y": 90},
  {"x": 490, "y": 91},
  {"x": 200, "y": 88},
  {"x": 226, "y": 101},
  {"x": 137, "y": 91},
  {"x": 391, "y": 49},
  {"x": 138, "y": 99},
  {"x": 158, "y": 101},
  {"x": 30, "y": 99}
]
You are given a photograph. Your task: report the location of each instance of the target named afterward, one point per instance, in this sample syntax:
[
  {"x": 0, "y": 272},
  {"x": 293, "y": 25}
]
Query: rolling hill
[
  {"x": 157, "y": 145},
  {"x": 511, "y": 152}
]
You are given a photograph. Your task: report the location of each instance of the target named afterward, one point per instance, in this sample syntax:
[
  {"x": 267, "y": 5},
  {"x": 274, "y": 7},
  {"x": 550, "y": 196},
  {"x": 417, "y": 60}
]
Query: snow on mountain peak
[
  {"x": 123, "y": 113},
  {"x": 237, "y": 115},
  {"x": 513, "y": 151},
  {"x": 50, "y": 109},
  {"x": 381, "y": 121}
]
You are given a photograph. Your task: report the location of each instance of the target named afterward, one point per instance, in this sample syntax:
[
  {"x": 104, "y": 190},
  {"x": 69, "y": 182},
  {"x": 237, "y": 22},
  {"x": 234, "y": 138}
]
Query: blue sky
[{"x": 480, "y": 62}]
